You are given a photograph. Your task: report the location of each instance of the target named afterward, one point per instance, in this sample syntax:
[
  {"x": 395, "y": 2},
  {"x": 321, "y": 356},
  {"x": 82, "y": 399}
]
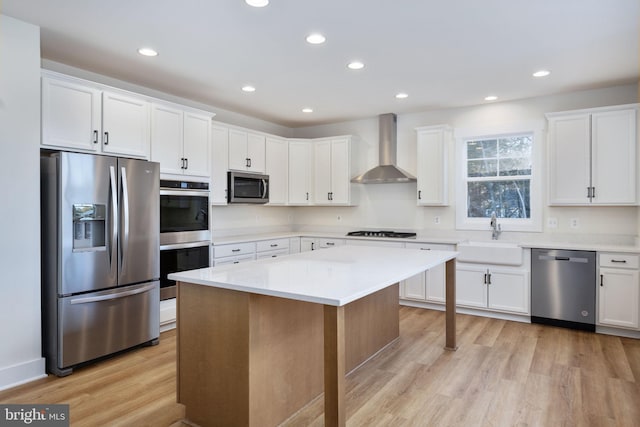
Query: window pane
[
  {"x": 476, "y": 168},
  {"x": 508, "y": 199},
  {"x": 516, "y": 146},
  {"x": 482, "y": 149},
  {"x": 510, "y": 167}
]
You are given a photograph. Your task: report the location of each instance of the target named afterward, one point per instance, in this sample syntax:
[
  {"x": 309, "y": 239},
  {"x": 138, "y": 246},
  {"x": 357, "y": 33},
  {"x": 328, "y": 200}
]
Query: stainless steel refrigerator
[{"x": 100, "y": 257}]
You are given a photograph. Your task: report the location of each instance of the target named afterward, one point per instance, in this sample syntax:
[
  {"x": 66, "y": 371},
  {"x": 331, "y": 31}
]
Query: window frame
[{"x": 462, "y": 135}]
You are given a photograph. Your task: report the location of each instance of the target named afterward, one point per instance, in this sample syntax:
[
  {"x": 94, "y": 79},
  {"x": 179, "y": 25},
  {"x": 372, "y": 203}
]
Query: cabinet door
[
  {"x": 300, "y": 168},
  {"x": 569, "y": 159},
  {"x": 341, "y": 171},
  {"x": 256, "y": 152},
  {"x": 322, "y": 172},
  {"x": 70, "y": 115},
  {"x": 508, "y": 291},
  {"x": 435, "y": 284},
  {"x": 307, "y": 244},
  {"x": 197, "y": 144},
  {"x": 432, "y": 162},
  {"x": 471, "y": 290},
  {"x": 614, "y": 157},
  {"x": 125, "y": 125},
  {"x": 219, "y": 164},
  {"x": 276, "y": 162},
  {"x": 238, "y": 158},
  {"x": 414, "y": 287},
  {"x": 618, "y": 297},
  {"x": 166, "y": 138}
]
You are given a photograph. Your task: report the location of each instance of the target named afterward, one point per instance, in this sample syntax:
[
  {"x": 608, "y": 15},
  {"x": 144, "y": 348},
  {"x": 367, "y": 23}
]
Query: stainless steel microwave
[{"x": 244, "y": 187}]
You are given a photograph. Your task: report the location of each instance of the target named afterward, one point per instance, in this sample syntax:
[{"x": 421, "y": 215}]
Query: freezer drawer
[{"x": 100, "y": 323}]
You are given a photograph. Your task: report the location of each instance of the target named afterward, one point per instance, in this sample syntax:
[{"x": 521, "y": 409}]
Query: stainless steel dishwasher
[{"x": 563, "y": 288}]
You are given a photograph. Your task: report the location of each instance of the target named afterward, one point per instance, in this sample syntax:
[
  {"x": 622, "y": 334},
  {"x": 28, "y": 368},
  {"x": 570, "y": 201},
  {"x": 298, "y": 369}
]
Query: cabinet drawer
[
  {"x": 270, "y": 245},
  {"x": 233, "y": 260},
  {"x": 272, "y": 254},
  {"x": 234, "y": 249},
  {"x": 619, "y": 260},
  {"x": 430, "y": 246},
  {"x": 329, "y": 243}
]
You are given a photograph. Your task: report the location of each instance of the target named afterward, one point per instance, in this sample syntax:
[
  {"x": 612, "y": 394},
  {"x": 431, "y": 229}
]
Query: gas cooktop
[{"x": 381, "y": 233}]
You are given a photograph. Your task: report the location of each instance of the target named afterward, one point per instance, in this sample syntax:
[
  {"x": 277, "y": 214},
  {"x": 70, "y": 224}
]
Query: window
[{"x": 497, "y": 174}]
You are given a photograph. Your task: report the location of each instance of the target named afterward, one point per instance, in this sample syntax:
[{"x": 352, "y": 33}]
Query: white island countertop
[{"x": 335, "y": 276}]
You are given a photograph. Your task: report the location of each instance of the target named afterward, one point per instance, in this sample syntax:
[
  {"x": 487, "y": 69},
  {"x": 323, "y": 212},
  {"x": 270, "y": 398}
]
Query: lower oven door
[{"x": 180, "y": 257}]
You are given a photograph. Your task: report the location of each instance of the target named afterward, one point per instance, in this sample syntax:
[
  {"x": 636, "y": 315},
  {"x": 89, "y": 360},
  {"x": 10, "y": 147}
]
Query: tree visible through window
[{"x": 498, "y": 176}]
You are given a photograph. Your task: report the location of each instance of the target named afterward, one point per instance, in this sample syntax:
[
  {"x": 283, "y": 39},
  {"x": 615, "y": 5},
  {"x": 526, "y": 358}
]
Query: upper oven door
[{"x": 184, "y": 216}]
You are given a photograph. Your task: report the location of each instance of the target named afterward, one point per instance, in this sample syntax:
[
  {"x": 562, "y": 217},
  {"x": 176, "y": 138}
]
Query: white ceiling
[{"x": 442, "y": 53}]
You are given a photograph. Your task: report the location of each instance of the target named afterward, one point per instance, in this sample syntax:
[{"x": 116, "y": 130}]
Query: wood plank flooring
[{"x": 503, "y": 374}]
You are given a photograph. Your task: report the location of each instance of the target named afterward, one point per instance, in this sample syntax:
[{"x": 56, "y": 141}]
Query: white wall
[
  {"x": 20, "y": 351},
  {"x": 394, "y": 205}
]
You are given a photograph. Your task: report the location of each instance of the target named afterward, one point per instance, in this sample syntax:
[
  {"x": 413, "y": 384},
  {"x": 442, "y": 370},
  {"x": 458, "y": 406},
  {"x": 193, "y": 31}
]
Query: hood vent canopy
[{"x": 387, "y": 171}]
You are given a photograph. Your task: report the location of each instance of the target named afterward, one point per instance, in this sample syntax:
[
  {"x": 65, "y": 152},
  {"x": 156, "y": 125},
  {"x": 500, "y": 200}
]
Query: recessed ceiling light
[
  {"x": 147, "y": 51},
  {"x": 316, "y": 38},
  {"x": 257, "y": 3},
  {"x": 307, "y": 110},
  {"x": 490, "y": 98},
  {"x": 248, "y": 88},
  {"x": 402, "y": 95},
  {"x": 541, "y": 73},
  {"x": 356, "y": 65}
]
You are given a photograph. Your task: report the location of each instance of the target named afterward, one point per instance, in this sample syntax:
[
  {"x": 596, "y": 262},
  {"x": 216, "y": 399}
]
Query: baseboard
[{"x": 12, "y": 376}]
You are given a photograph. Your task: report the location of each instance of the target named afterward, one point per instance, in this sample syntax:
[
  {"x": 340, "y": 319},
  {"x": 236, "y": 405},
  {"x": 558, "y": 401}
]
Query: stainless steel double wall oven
[{"x": 185, "y": 236}]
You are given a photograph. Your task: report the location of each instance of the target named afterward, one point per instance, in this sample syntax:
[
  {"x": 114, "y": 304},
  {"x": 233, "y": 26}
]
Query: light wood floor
[{"x": 503, "y": 374}]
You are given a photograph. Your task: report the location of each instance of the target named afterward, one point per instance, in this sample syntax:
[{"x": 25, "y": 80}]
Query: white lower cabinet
[
  {"x": 618, "y": 290},
  {"x": 272, "y": 248},
  {"x": 492, "y": 287},
  {"x": 233, "y": 253},
  {"x": 427, "y": 286},
  {"x": 314, "y": 243}
]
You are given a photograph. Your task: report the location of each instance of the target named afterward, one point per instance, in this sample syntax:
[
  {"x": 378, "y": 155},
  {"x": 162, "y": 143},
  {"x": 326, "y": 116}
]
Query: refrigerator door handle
[
  {"x": 124, "y": 242},
  {"x": 113, "y": 232},
  {"x": 85, "y": 300}
]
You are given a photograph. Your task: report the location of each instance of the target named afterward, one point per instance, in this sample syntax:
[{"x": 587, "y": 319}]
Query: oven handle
[
  {"x": 185, "y": 245},
  {"x": 195, "y": 193}
]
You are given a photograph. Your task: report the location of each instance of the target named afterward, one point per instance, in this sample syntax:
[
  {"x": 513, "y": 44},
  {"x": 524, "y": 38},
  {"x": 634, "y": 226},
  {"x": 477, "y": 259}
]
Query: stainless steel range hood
[{"x": 387, "y": 171}]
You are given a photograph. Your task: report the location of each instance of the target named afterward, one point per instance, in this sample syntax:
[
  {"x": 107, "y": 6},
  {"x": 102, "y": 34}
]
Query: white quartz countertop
[{"x": 335, "y": 276}]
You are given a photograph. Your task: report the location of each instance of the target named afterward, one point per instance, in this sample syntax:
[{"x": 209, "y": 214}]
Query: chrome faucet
[{"x": 495, "y": 227}]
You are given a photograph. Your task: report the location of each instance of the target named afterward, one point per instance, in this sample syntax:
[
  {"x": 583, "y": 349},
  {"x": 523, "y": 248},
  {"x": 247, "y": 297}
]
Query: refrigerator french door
[{"x": 101, "y": 267}]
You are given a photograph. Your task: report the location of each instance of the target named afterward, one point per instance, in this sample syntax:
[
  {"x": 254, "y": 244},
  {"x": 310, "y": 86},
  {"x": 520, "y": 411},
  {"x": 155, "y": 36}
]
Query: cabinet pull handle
[
  {"x": 248, "y": 162},
  {"x": 485, "y": 278},
  {"x": 601, "y": 284},
  {"x": 106, "y": 138},
  {"x": 330, "y": 243},
  {"x": 312, "y": 248},
  {"x": 182, "y": 163},
  {"x": 419, "y": 194},
  {"x": 593, "y": 192},
  {"x": 307, "y": 196},
  {"x": 186, "y": 163},
  {"x": 425, "y": 249},
  {"x": 236, "y": 262},
  {"x": 489, "y": 276},
  {"x": 621, "y": 261},
  {"x": 95, "y": 136},
  {"x": 235, "y": 250},
  {"x": 274, "y": 245}
]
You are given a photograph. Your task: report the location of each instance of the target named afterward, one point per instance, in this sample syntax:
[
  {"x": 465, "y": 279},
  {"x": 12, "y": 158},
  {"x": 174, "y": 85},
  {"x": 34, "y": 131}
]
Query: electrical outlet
[
  {"x": 552, "y": 222},
  {"x": 436, "y": 220},
  {"x": 339, "y": 218},
  {"x": 574, "y": 223}
]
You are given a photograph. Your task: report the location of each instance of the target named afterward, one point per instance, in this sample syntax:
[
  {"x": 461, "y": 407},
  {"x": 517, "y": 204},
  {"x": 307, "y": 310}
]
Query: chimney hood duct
[{"x": 387, "y": 171}]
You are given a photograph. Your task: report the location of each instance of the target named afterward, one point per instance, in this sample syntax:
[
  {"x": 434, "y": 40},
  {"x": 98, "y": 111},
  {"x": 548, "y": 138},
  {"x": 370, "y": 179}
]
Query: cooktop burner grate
[{"x": 382, "y": 233}]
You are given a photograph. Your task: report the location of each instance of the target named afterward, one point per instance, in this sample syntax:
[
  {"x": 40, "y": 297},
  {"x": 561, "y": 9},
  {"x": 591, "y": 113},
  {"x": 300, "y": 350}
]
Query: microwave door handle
[
  {"x": 264, "y": 186},
  {"x": 125, "y": 219},
  {"x": 113, "y": 228}
]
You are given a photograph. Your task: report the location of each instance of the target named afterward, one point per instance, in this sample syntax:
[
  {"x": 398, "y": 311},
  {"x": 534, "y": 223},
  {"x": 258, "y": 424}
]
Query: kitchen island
[{"x": 258, "y": 341}]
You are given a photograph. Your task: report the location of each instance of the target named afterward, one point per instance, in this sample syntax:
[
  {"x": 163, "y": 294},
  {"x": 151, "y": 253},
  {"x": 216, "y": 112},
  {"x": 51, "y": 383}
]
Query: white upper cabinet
[
  {"x": 180, "y": 140},
  {"x": 276, "y": 166},
  {"x": 71, "y": 115},
  {"x": 246, "y": 151},
  {"x": 300, "y": 168},
  {"x": 432, "y": 151},
  {"x": 81, "y": 116},
  {"x": 592, "y": 156},
  {"x": 219, "y": 164},
  {"x": 332, "y": 171}
]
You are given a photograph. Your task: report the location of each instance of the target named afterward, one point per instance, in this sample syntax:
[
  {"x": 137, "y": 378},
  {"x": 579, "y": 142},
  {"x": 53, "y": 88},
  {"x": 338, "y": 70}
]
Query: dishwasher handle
[{"x": 562, "y": 258}]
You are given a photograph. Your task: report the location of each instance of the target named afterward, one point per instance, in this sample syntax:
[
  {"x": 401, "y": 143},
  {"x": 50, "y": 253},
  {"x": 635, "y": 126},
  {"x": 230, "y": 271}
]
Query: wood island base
[{"x": 246, "y": 359}]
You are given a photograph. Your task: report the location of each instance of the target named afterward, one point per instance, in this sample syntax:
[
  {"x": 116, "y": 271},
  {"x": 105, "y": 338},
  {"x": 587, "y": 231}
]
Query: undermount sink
[{"x": 504, "y": 253}]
